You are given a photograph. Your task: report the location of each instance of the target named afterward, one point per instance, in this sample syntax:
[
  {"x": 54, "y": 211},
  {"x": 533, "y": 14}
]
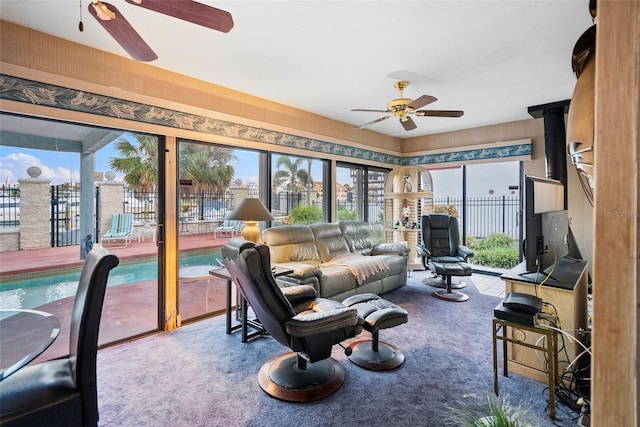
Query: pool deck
[
  {"x": 33, "y": 260},
  {"x": 128, "y": 310}
]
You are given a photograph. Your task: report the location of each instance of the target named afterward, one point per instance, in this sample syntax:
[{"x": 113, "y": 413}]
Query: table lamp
[{"x": 250, "y": 210}]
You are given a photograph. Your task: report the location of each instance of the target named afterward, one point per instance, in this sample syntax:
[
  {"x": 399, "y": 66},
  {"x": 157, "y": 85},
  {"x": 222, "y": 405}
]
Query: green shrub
[
  {"x": 500, "y": 240},
  {"x": 496, "y": 257},
  {"x": 305, "y": 215},
  {"x": 345, "y": 214},
  {"x": 497, "y": 250}
]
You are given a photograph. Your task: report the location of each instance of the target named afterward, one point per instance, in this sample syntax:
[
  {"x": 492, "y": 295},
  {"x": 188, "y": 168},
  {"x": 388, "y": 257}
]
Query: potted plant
[{"x": 490, "y": 411}]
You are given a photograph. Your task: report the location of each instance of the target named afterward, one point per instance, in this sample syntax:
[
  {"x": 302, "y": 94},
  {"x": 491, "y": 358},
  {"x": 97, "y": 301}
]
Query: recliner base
[
  {"x": 449, "y": 295},
  {"x": 387, "y": 356},
  {"x": 441, "y": 282},
  {"x": 283, "y": 379}
]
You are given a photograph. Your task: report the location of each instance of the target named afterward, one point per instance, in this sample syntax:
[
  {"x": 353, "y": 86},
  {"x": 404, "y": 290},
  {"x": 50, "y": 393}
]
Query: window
[
  {"x": 359, "y": 195},
  {"x": 297, "y": 189},
  {"x": 213, "y": 180}
]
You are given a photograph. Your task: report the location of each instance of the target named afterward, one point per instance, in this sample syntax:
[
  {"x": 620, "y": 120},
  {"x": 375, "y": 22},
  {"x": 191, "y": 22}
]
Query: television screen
[{"x": 546, "y": 223}]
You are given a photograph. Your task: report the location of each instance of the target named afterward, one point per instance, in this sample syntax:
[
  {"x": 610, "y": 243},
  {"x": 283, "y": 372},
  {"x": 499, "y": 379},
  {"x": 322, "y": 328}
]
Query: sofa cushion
[
  {"x": 357, "y": 235},
  {"x": 336, "y": 280},
  {"x": 291, "y": 243},
  {"x": 361, "y": 266},
  {"x": 329, "y": 240},
  {"x": 397, "y": 264}
]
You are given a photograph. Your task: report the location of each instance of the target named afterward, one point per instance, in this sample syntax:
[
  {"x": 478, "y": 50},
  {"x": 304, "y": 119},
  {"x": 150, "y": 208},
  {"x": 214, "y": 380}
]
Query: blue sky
[{"x": 59, "y": 167}]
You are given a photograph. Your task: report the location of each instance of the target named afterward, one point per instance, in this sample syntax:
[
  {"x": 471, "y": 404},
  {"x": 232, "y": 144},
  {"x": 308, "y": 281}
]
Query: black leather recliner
[
  {"x": 62, "y": 392},
  {"x": 443, "y": 254},
  {"x": 297, "y": 319}
]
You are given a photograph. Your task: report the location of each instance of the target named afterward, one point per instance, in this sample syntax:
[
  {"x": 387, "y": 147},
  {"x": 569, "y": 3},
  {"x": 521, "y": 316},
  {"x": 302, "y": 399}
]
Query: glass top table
[{"x": 24, "y": 335}]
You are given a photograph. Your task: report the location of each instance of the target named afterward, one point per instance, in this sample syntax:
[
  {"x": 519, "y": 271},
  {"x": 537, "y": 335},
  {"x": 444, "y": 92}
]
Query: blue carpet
[{"x": 199, "y": 376}]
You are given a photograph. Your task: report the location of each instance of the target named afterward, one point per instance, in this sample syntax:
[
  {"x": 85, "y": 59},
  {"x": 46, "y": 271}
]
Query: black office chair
[
  {"x": 297, "y": 319},
  {"x": 62, "y": 392},
  {"x": 443, "y": 254}
]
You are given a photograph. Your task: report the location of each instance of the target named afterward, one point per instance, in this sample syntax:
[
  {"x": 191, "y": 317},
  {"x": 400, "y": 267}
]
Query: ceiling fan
[
  {"x": 187, "y": 10},
  {"x": 403, "y": 107}
]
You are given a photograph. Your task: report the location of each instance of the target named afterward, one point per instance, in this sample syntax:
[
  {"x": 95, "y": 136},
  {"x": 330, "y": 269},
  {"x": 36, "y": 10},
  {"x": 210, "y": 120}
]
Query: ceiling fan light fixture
[
  {"x": 103, "y": 11},
  {"x": 399, "y": 104},
  {"x": 403, "y": 107}
]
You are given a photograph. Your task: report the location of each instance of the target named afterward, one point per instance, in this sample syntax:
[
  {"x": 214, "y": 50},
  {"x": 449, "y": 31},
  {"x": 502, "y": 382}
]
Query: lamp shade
[{"x": 250, "y": 209}]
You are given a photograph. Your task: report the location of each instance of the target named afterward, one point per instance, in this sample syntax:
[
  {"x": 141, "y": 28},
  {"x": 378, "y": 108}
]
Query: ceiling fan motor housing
[{"x": 397, "y": 106}]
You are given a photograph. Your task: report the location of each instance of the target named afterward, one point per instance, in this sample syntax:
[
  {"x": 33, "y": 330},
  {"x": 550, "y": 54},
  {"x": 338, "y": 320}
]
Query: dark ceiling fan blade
[
  {"x": 119, "y": 28},
  {"x": 190, "y": 11},
  {"x": 421, "y": 102},
  {"x": 408, "y": 124},
  {"x": 440, "y": 113},
  {"x": 373, "y": 122},
  {"x": 370, "y": 111}
]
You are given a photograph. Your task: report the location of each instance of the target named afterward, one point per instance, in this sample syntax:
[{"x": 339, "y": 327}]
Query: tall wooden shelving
[{"x": 407, "y": 187}]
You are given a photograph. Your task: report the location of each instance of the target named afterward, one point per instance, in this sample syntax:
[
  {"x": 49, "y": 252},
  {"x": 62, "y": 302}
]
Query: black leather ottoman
[
  {"x": 447, "y": 270},
  {"x": 378, "y": 314}
]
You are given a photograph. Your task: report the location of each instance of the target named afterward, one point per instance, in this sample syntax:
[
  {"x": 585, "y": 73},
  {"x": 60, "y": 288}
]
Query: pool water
[{"x": 34, "y": 292}]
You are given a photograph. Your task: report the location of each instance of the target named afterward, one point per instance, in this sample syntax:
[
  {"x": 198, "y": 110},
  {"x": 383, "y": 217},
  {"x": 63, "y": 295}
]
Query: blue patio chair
[
  {"x": 121, "y": 229},
  {"x": 228, "y": 228}
]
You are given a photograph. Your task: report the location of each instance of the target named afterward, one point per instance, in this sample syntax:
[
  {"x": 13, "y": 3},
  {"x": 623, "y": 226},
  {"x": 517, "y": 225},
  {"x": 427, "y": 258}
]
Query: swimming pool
[{"x": 49, "y": 286}]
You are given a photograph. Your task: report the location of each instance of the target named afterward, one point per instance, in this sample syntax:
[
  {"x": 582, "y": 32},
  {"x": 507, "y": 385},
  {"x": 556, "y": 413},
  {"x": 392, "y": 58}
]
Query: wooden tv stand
[{"x": 567, "y": 290}]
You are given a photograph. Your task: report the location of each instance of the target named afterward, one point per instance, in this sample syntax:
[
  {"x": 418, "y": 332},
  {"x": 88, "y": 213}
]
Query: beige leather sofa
[{"x": 338, "y": 259}]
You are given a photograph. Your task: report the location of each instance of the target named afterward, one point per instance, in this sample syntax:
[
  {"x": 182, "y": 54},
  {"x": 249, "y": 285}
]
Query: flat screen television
[{"x": 546, "y": 223}]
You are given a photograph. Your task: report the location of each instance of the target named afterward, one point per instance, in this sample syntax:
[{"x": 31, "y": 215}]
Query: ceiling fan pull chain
[{"x": 80, "y": 24}]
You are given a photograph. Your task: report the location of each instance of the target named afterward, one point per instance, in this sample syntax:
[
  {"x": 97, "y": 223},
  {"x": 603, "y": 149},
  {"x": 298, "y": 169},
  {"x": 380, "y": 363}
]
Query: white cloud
[{"x": 13, "y": 166}]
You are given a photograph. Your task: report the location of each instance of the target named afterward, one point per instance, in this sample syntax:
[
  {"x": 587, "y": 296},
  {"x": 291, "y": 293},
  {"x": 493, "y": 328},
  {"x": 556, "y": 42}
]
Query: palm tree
[
  {"x": 139, "y": 161},
  {"x": 291, "y": 173},
  {"x": 208, "y": 167}
]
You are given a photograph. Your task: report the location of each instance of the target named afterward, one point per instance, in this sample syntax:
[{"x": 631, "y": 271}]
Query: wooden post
[{"x": 615, "y": 272}]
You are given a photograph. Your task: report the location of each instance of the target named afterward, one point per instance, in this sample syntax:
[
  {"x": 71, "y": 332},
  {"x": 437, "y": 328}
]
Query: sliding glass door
[
  {"x": 213, "y": 179},
  {"x": 72, "y": 190}
]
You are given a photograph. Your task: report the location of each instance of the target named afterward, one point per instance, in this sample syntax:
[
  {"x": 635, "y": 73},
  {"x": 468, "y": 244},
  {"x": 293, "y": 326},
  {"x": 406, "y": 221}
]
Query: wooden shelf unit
[
  {"x": 567, "y": 290},
  {"x": 419, "y": 200}
]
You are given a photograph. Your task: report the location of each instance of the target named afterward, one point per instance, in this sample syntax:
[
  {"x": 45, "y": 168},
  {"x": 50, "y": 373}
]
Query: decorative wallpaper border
[
  {"x": 38, "y": 93},
  {"x": 517, "y": 151}
]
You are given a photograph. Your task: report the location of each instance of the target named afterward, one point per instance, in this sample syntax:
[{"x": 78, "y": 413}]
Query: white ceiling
[{"x": 492, "y": 59}]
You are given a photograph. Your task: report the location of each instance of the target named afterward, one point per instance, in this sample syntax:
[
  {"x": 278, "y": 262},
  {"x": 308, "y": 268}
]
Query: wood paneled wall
[{"x": 615, "y": 272}]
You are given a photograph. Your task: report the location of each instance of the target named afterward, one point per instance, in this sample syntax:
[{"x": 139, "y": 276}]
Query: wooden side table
[
  {"x": 549, "y": 347},
  {"x": 241, "y": 306}
]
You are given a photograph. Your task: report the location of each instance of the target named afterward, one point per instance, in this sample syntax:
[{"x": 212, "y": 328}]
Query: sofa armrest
[
  {"x": 300, "y": 269},
  {"x": 321, "y": 317},
  {"x": 465, "y": 252},
  {"x": 391, "y": 249},
  {"x": 299, "y": 293}
]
